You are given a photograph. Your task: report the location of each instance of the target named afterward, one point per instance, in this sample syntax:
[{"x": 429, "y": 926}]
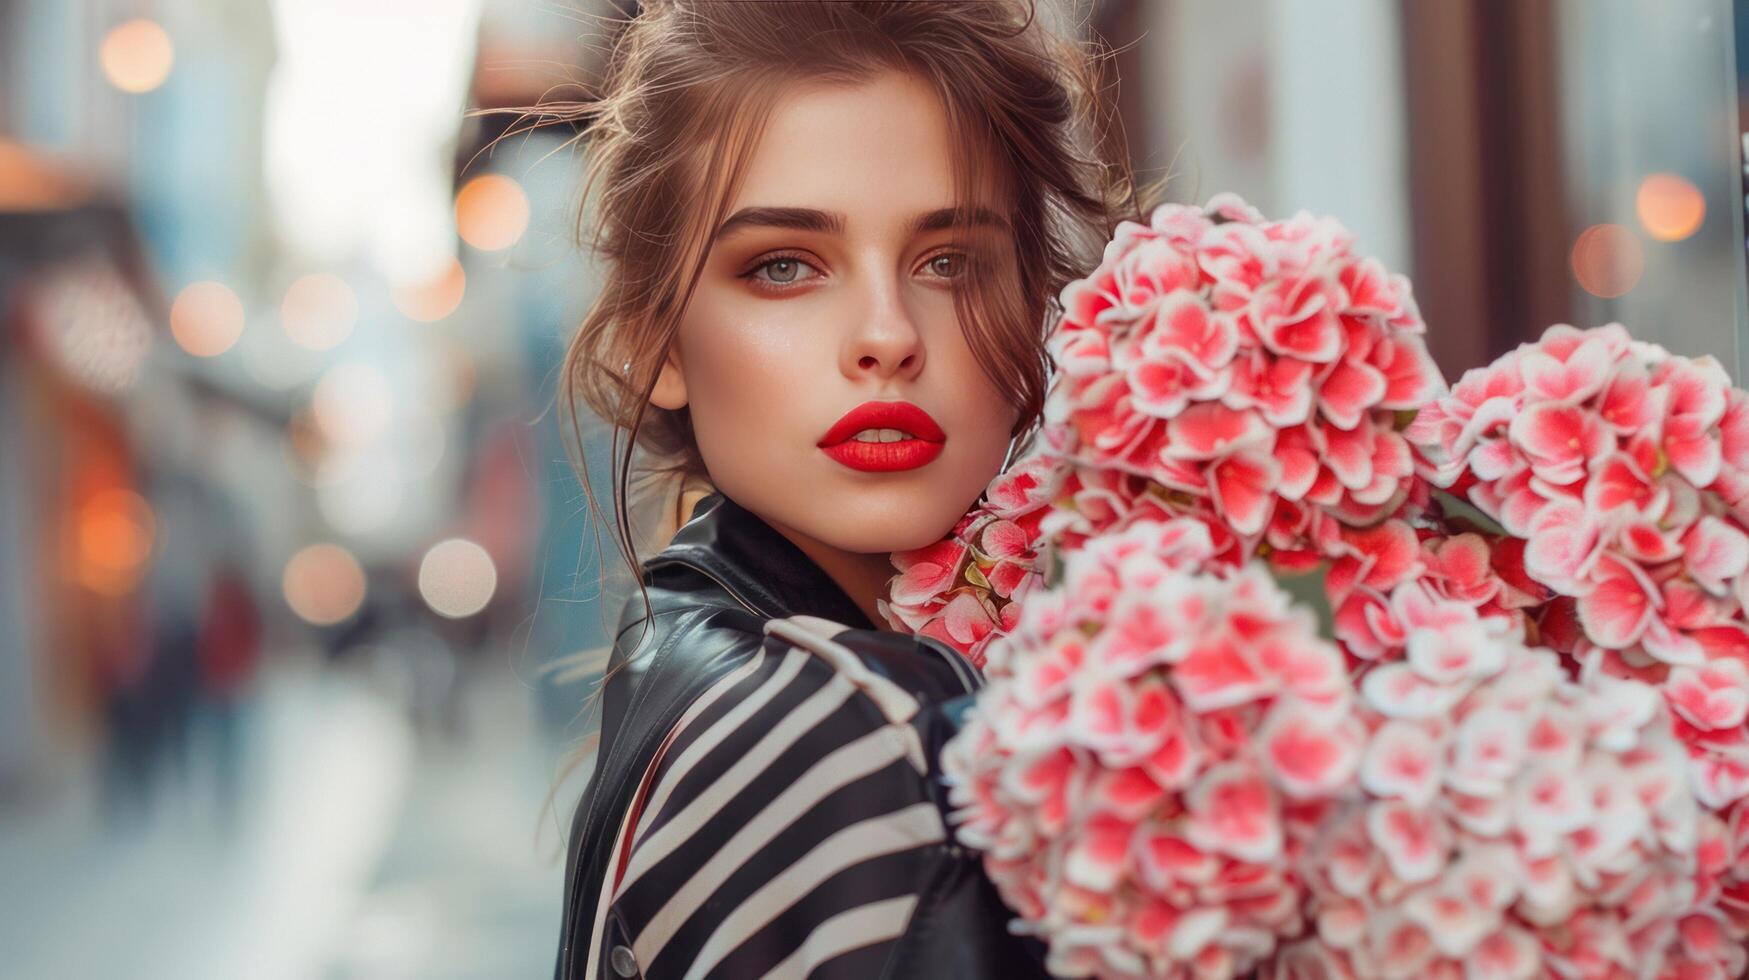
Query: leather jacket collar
[{"x": 756, "y": 565}]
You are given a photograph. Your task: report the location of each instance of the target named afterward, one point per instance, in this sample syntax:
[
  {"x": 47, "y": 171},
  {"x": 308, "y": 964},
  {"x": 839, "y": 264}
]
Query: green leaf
[
  {"x": 1465, "y": 515},
  {"x": 1307, "y": 589},
  {"x": 1051, "y": 564}
]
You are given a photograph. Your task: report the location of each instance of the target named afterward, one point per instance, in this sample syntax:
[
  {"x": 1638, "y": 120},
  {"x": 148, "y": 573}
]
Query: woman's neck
[{"x": 863, "y": 577}]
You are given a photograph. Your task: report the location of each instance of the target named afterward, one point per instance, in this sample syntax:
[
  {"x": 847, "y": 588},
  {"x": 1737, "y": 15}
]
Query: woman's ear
[{"x": 670, "y": 390}]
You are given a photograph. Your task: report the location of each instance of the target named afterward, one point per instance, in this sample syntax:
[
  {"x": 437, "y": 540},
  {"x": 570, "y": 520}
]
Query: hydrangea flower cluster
[
  {"x": 965, "y": 589},
  {"x": 1621, "y": 473},
  {"x": 1526, "y": 752},
  {"x": 1255, "y": 367},
  {"x": 1154, "y": 729},
  {"x": 1625, "y": 470},
  {"x": 1513, "y": 821},
  {"x": 1391, "y": 580},
  {"x": 1251, "y": 374}
]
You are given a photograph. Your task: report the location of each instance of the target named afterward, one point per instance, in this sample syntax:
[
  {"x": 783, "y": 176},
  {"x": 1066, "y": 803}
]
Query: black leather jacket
[{"x": 711, "y": 591}]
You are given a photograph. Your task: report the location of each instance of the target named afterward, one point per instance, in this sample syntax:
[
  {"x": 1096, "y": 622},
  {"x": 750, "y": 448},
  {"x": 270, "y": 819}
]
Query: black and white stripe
[{"x": 788, "y": 827}]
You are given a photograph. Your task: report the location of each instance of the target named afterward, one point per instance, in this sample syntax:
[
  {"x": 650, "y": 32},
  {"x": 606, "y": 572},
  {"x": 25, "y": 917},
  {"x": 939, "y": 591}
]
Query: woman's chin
[{"x": 882, "y": 533}]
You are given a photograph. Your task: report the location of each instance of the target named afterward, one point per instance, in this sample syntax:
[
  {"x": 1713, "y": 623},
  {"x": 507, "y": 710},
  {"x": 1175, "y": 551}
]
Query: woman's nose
[{"x": 887, "y": 341}]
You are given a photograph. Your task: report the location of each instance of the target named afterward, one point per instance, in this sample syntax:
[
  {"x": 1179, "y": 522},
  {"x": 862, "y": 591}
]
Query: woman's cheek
[{"x": 750, "y": 409}]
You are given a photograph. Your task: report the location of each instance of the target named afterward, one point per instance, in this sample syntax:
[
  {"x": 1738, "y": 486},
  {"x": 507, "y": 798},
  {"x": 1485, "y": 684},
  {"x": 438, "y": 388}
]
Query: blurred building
[{"x": 1526, "y": 162}]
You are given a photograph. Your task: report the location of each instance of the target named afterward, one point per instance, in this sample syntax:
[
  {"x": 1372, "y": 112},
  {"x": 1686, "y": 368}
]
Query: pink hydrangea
[
  {"x": 1537, "y": 588},
  {"x": 1388, "y": 581},
  {"x": 1154, "y": 729},
  {"x": 1245, "y": 363},
  {"x": 1622, "y": 468},
  {"x": 965, "y": 589},
  {"x": 1513, "y": 821},
  {"x": 1722, "y": 880},
  {"x": 1092, "y": 501}
]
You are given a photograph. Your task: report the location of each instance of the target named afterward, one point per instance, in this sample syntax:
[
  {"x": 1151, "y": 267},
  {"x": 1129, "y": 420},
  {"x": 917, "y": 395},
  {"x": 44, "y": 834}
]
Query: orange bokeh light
[
  {"x": 1670, "y": 207},
  {"x": 136, "y": 56},
  {"x": 114, "y": 532},
  {"x": 491, "y": 212},
  {"x": 431, "y": 301},
  {"x": 1608, "y": 260},
  {"x": 323, "y": 584},
  {"x": 31, "y": 180},
  {"x": 206, "y": 319}
]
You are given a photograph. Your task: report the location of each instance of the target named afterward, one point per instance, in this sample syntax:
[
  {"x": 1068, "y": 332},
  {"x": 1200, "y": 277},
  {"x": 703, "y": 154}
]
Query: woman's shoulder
[
  {"x": 792, "y": 793},
  {"x": 788, "y": 821},
  {"x": 664, "y": 652},
  {"x": 679, "y": 602}
]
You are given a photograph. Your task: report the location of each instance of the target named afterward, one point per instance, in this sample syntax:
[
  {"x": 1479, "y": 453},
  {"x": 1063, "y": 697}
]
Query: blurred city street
[
  {"x": 356, "y": 848},
  {"x": 295, "y": 564}
]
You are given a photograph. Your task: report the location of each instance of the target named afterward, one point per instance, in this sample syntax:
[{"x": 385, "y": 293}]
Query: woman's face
[{"x": 829, "y": 286}]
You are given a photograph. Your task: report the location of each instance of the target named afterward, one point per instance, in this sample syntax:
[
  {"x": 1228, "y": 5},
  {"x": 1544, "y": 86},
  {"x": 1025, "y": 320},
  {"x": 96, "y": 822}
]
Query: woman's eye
[
  {"x": 783, "y": 271},
  {"x": 948, "y": 265}
]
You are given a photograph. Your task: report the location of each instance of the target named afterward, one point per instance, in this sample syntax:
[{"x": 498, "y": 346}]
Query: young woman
[{"x": 833, "y": 234}]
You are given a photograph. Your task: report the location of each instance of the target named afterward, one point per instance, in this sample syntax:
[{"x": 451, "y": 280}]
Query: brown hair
[{"x": 674, "y": 123}]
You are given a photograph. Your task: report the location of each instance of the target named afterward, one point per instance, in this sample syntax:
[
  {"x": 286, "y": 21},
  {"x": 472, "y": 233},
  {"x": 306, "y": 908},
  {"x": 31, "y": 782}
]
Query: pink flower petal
[
  {"x": 1210, "y": 430},
  {"x": 1413, "y": 840},
  {"x": 1560, "y": 440},
  {"x": 1619, "y": 608},
  {"x": 1402, "y": 761},
  {"x": 1243, "y": 487},
  {"x": 1348, "y": 392},
  {"x": 1412, "y": 379},
  {"x": 1716, "y": 553},
  {"x": 1713, "y": 696},
  {"x": 1233, "y": 812},
  {"x": 1294, "y": 319},
  {"x": 1308, "y": 755}
]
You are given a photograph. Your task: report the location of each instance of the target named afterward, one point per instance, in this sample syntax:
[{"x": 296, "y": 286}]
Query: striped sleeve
[{"x": 788, "y": 829}]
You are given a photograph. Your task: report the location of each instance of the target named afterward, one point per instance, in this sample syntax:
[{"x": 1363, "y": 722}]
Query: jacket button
[{"x": 624, "y": 963}]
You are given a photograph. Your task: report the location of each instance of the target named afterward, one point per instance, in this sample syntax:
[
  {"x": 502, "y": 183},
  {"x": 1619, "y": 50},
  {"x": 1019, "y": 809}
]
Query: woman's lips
[
  {"x": 884, "y": 457},
  {"x": 924, "y": 443}
]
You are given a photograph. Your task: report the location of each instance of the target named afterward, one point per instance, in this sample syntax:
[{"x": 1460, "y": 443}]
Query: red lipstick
[{"x": 922, "y": 443}]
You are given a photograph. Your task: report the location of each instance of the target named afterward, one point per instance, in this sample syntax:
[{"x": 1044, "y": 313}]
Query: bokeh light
[
  {"x": 1670, "y": 207},
  {"x": 319, "y": 311},
  {"x": 1608, "y": 260},
  {"x": 92, "y": 325},
  {"x": 433, "y": 299},
  {"x": 115, "y": 529},
  {"x": 457, "y": 578},
  {"x": 136, "y": 55},
  {"x": 491, "y": 212},
  {"x": 323, "y": 584},
  {"x": 353, "y": 403},
  {"x": 206, "y": 319},
  {"x": 33, "y": 181}
]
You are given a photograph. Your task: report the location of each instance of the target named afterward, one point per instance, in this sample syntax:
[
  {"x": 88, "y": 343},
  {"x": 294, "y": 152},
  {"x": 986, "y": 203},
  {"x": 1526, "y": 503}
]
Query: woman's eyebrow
[{"x": 832, "y": 222}]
